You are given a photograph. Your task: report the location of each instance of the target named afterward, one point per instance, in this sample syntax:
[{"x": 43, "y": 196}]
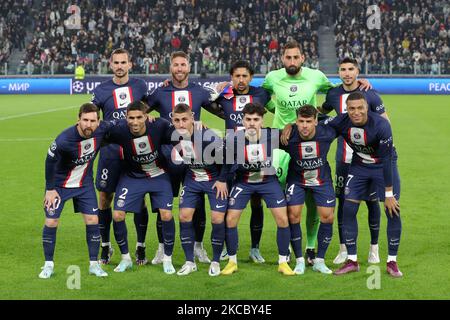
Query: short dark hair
[
  {"x": 356, "y": 96},
  {"x": 181, "y": 108},
  {"x": 350, "y": 60},
  {"x": 88, "y": 108},
  {"x": 242, "y": 64},
  {"x": 138, "y": 106},
  {"x": 251, "y": 108},
  {"x": 121, "y": 51},
  {"x": 292, "y": 45},
  {"x": 177, "y": 54},
  {"x": 307, "y": 111}
]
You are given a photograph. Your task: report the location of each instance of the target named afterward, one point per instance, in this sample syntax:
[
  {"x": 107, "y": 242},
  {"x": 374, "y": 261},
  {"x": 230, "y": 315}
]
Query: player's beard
[
  {"x": 292, "y": 70},
  {"x": 87, "y": 132},
  {"x": 180, "y": 78},
  {"x": 121, "y": 74}
]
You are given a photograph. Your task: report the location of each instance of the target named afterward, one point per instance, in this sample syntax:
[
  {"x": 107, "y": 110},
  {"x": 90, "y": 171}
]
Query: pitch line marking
[
  {"x": 23, "y": 115},
  {"x": 26, "y": 139}
]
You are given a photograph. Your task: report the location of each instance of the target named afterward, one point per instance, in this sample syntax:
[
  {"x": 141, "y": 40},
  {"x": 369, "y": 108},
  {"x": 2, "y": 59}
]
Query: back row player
[
  {"x": 163, "y": 100},
  {"x": 230, "y": 104},
  {"x": 113, "y": 97},
  {"x": 336, "y": 100}
]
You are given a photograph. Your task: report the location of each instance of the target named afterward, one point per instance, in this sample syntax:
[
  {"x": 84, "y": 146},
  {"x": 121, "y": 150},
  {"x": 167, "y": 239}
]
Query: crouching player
[
  {"x": 68, "y": 175},
  {"x": 141, "y": 141},
  {"x": 202, "y": 152},
  {"x": 251, "y": 152},
  {"x": 308, "y": 144}
]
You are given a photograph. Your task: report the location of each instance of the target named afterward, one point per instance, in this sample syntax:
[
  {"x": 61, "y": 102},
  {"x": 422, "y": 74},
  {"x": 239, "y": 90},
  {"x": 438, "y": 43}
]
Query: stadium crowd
[
  {"x": 412, "y": 35},
  {"x": 209, "y": 30},
  {"x": 13, "y": 17}
]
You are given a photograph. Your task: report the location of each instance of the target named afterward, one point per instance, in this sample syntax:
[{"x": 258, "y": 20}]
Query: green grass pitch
[{"x": 28, "y": 124}]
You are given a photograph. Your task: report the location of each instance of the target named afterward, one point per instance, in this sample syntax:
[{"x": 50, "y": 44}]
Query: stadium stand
[
  {"x": 211, "y": 31},
  {"x": 413, "y": 38}
]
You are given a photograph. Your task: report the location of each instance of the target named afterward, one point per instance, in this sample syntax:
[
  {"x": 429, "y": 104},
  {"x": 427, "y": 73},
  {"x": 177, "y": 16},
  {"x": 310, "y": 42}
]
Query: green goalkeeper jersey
[{"x": 291, "y": 92}]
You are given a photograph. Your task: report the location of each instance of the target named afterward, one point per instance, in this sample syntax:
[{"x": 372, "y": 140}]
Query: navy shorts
[
  {"x": 368, "y": 183},
  {"x": 270, "y": 191},
  {"x": 130, "y": 193},
  {"x": 84, "y": 201},
  {"x": 108, "y": 174},
  {"x": 323, "y": 195},
  {"x": 193, "y": 192}
]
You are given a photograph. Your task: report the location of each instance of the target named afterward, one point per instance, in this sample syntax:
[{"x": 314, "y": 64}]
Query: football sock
[
  {"x": 121, "y": 235},
  {"x": 199, "y": 220},
  {"x": 187, "y": 239},
  {"x": 49, "y": 242},
  {"x": 159, "y": 228},
  {"x": 256, "y": 224},
  {"x": 93, "y": 241},
  {"x": 374, "y": 215},
  {"x": 394, "y": 231},
  {"x": 104, "y": 223},
  {"x": 391, "y": 258},
  {"x": 312, "y": 221},
  {"x": 350, "y": 226},
  {"x": 324, "y": 238},
  {"x": 232, "y": 240},
  {"x": 340, "y": 212},
  {"x": 168, "y": 229},
  {"x": 217, "y": 239},
  {"x": 141, "y": 222},
  {"x": 283, "y": 238},
  {"x": 296, "y": 239}
]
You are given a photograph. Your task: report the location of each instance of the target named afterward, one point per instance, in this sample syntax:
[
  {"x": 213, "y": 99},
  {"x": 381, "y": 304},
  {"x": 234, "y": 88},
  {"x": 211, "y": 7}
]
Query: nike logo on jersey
[
  {"x": 330, "y": 201},
  {"x": 218, "y": 207},
  {"x": 95, "y": 209},
  {"x": 280, "y": 201},
  {"x": 169, "y": 204},
  {"x": 122, "y": 104},
  {"x": 182, "y": 239}
]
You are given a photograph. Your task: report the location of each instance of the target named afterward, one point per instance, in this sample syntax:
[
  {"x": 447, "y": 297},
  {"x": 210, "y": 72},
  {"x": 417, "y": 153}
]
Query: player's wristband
[{"x": 389, "y": 194}]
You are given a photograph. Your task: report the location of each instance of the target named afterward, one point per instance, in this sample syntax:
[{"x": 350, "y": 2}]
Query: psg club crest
[
  {"x": 357, "y": 136},
  {"x": 181, "y": 99},
  {"x": 293, "y": 88},
  {"x": 142, "y": 145},
  {"x": 242, "y": 99},
  {"x": 87, "y": 146},
  {"x": 120, "y": 203},
  {"x": 347, "y": 190},
  {"x": 123, "y": 96},
  {"x": 232, "y": 201},
  {"x": 309, "y": 149}
]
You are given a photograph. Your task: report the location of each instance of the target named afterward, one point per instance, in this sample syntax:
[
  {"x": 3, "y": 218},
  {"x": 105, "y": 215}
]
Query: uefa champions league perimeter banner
[{"x": 59, "y": 85}]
